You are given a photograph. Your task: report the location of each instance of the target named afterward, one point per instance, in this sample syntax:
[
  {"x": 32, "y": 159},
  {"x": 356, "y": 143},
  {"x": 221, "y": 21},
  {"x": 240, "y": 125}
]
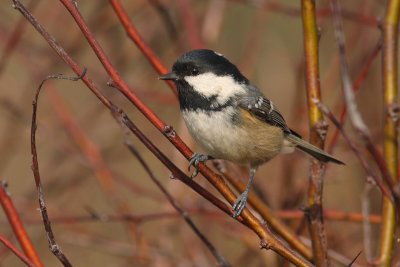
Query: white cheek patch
[{"x": 209, "y": 84}]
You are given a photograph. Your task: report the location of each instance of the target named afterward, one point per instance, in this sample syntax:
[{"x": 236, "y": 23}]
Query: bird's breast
[{"x": 229, "y": 134}]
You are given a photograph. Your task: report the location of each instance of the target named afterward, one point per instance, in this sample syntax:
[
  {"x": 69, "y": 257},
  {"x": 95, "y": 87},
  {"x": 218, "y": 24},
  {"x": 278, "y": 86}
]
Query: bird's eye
[{"x": 195, "y": 71}]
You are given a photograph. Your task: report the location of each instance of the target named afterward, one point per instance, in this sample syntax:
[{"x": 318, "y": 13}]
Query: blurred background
[{"x": 88, "y": 174}]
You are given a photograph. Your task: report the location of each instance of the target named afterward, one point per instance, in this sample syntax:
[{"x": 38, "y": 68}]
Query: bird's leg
[
  {"x": 195, "y": 160},
  {"x": 240, "y": 202}
]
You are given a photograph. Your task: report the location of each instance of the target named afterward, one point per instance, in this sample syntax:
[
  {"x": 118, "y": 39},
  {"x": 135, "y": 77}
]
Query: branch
[
  {"x": 267, "y": 214},
  {"x": 18, "y": 253},
  {"x": 93, "y": 216},
  {"x": 54, "y": 247},
  {"x": 14, "y": 39},
  {"x": 17, "y": 226},
  {"x": 217, "y": 255},
  {"x": 356, "y": 86},
  {"x": 391, "y": 111},
  {"x": 140, "y": 43},
  {"x": 318, "y": 128},
  {"x": 364, "y": 162},
  {"x": 332, "y": 215}
]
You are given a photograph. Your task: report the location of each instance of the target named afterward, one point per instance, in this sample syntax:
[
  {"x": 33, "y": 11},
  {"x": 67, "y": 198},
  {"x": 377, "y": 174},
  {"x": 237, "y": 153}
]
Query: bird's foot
[
  {"x": 239, "y": 204},
  {"x": 195, "y": 160}
]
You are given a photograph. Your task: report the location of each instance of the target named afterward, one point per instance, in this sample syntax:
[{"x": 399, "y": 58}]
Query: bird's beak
[{"x": 168, "y": 76}]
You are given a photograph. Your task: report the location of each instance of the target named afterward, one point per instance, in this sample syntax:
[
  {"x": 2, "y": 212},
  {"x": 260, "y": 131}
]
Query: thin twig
[
  {"x": 218, "y": 256},
  {"x": 17, "y": 253},
  {"x": 354, "y": 260},
  {"x": 54, "y": 247},
  {"x": 354, "y": 115},
  {"x": 334, "y": 255},
  {"x": 333, "y": 215},
  {"x": 15, "y": 37},
  {"x": 356, "y": 86},
  {"x": 364, "y": 162},
  {"x": 95, "y": 216}
]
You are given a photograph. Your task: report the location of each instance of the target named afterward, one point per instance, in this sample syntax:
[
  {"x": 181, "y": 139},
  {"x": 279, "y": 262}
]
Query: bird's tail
[{"x": 314, "y": 151}]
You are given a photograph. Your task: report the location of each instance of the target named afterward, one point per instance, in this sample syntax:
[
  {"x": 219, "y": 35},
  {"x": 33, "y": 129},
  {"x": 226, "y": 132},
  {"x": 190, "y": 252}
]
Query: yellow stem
[
  {"x": 317, "y": 126},
  {"x": 389, "y": 72}
]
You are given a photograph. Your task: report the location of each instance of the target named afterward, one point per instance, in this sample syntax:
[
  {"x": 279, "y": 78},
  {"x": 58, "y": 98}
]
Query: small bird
[{"x": 230, "y": 118}]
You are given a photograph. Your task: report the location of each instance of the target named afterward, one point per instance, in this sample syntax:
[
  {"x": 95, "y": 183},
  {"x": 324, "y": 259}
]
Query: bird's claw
[
  {"x": 239, "y": 204},
  {"x": 195, "y": 160}
]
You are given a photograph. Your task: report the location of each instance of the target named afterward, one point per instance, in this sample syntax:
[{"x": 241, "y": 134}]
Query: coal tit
[{"x": 230, "y": 118}]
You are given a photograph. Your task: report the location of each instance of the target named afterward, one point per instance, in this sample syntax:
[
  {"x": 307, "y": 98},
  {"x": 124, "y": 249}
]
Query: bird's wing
[{"x": 263, "y": 109}]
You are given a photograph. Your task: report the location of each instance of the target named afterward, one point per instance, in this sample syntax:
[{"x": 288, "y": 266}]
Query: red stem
[
  {"x": 18, "y": 253},
  {"x": 18, "y": 227},
  {"x": 140, "y": 43}
]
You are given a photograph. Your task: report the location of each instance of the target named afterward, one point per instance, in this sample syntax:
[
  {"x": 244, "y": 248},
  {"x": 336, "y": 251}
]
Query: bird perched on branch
[{"x": 230, "y": 118}]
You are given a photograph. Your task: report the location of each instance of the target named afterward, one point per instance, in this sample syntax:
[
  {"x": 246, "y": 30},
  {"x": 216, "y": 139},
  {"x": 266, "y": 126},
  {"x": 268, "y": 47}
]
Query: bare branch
[
  {"x": 54, "y": 247},
  {"x": 218, "y": 256},
  {"x": 18, "y": 253},
  {"x": 318, "y": 128},
  {"x": 17, "y": 226}
]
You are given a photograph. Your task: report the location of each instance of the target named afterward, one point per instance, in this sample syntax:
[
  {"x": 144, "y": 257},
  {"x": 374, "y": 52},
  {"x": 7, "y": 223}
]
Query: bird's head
[{"x": 208, "y": 73}]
